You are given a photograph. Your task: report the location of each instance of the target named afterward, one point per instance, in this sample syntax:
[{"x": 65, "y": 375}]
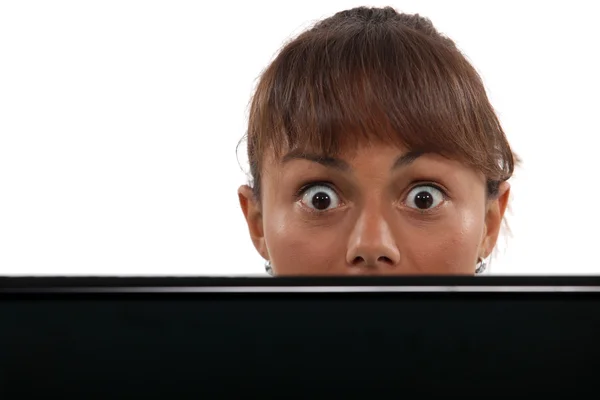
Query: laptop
[{"x": 185, "y": 337}]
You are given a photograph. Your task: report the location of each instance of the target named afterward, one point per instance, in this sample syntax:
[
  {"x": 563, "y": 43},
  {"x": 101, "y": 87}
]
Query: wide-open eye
[
  {"x": 320, "y": 198},
  {"x": 424, "y": 197}
]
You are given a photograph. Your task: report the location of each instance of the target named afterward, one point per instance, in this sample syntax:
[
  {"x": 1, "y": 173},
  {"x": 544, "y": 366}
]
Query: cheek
[
  {"x": 296, "y": 247},
  {"x": 451, "y": 247}
]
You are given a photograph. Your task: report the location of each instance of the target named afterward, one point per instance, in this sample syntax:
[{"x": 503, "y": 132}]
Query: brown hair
[{"x": 373, "y": 74}]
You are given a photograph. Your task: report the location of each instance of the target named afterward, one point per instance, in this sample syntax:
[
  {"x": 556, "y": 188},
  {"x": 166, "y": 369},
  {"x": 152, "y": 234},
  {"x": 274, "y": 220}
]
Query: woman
[{"x": 374, "y": 150}]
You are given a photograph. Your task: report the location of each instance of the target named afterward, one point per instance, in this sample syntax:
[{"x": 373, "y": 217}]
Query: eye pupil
[
  {"x": 423, "y": 200},
  {"x": 321, "y": 201}
]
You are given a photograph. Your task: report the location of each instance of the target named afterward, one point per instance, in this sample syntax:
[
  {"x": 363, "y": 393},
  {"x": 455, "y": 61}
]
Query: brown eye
[
  {"x": 320, "y": 198},
  {"x": 424, "y": 197}
]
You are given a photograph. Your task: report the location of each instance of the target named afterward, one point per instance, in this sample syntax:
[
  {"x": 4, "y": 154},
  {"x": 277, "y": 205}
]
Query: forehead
[
  {"x": 367, "y": 156},
  {"x": 349, "y": 141},
  {"x": 347, "y": 153}
]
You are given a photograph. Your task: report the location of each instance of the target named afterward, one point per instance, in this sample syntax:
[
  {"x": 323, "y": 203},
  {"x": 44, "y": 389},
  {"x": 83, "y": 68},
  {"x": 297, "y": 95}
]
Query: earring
[
  {"x": 268, "y": 267},
  {"x": 481, "y": 266}
]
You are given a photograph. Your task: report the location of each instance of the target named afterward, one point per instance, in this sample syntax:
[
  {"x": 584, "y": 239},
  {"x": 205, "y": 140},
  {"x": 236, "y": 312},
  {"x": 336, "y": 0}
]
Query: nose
[{"x": 372, "y": 244}]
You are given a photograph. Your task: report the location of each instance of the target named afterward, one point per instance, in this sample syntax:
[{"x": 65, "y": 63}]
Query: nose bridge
[{"x": 372, "y": 240}]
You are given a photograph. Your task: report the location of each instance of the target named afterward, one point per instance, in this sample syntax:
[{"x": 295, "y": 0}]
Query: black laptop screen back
[{"x": 162, "y": 344}]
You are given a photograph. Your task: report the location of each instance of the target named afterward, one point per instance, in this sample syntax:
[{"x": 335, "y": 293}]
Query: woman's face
[{"x": 378, "y": 211}]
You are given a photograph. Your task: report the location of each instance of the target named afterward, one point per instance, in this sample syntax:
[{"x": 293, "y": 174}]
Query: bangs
[{"x": 333, "y": 91}]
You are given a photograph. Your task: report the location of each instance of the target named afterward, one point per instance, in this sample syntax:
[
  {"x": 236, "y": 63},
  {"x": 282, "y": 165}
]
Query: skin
[{"x": 373, "y": 225}]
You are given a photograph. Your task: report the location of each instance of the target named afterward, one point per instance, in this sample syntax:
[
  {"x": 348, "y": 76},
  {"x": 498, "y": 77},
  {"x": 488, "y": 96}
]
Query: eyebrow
[
  {"x": 402, "y": 161},
  {"x": 323, "y": 160},
  {"x": 406, "y": 159}
]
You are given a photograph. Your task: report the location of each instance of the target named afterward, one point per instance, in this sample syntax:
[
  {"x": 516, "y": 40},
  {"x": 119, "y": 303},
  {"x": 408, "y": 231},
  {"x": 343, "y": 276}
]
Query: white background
[{"x": 119, "y": 122}]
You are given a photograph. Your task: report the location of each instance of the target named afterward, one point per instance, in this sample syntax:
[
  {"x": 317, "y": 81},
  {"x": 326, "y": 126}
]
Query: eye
[
  {"x": 424, "y": 197},
  {"x": 320, "y": 198}
]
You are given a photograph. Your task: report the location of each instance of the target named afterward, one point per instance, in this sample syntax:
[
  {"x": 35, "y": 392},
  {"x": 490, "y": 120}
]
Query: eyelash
[
  {"x": 304, "y": 188},
  {"x": 438, "y": 187},
  {"x": 430, "y": 184}
]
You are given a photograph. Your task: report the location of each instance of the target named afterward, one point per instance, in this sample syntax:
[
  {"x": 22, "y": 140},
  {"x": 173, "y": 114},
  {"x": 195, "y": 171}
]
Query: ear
[
  {"x": 493, "y": 219},
  {"x": 253, "y": 214}
]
